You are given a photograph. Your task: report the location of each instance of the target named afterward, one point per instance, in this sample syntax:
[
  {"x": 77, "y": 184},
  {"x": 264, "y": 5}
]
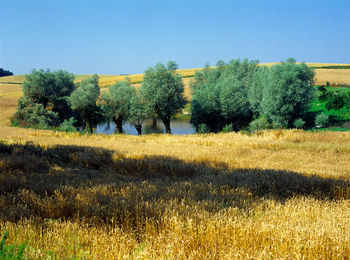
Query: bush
[
  {"x": 227, "y": 128},
  {"x": 35, "y": 115},
  {"x": 68, "y": 125},
  {"x": 335, "y": 100},
  {"x": 299, "y": 123},
  {"x": 321, "y": 120},
  {"x": 259, "y": 124},
  {"x": 203, "y": 129}
]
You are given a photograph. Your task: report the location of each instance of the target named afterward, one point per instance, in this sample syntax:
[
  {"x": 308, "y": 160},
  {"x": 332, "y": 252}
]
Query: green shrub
[
  {"x": 35, "y": 115},
  {"x": 335, "y": 100},
  {"x": 277, "y": 125},
  {"x": 259, "y": 124},
  {"x": 321, "y": 120},
  {"x": 8, "y": 251},
  {"x": 227, "y": 128},
  {"x": 299, "y": 123},
  {"x": 203, "y": 129},
  {"x": 68, "y": 125}
]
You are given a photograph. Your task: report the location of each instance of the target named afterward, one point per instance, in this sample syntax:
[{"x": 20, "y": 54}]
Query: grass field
[
  {"x": 278, "y": 194},
  {"x": 340, "y": 75}
]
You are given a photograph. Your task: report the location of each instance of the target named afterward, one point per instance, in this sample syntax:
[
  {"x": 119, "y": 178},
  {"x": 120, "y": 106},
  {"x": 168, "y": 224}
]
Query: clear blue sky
[{"x": 114, "y": 37}]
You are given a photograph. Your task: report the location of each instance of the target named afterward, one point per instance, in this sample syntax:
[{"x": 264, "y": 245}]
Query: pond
[{"x": 178, "y": 127}]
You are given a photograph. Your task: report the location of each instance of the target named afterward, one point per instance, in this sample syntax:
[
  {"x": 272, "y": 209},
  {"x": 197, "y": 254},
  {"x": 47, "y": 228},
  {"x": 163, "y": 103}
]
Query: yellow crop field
[
  {"x": 334, "y": 76},
  {"x": 278, "y": 194}
]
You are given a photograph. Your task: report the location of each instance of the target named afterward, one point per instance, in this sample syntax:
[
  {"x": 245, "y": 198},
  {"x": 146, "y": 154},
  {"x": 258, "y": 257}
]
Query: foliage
[
  {"x": 336, "y": 100},
  {"x": 68, "y": 125},
  {"x": 205, "y": 108},
  {"x": 299, "y": 123},
  {"x": 83, "y": 101},
  {"x": 259, "y": 124},
  {"x": 321, "y": 120},
  {"x": 138, "y": 112},
  {"x": 4, "y": 73},
  {"x": 227, "y": 128},
  {"x": 43, "y": 87},
  {"x": 118, "y": 102},
  {"x": 221, "y": 95},
  {"x": 35, "y": 115},
  {"x": 162, "y": 90},
  {"x": 45, "y": 94},
  {"x": 203, "y": 129},
  {"x": 255, "y": 91},
  {"x": 288, "y": 93},
  {"x": 11, "y": 252}
]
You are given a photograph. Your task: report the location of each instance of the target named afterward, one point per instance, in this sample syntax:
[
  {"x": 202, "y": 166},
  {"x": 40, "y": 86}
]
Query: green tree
[
  {"x": 205, "y": 108},
  {"x": 233, "y": 101},
  {"x": 221, "y": 95},
  {"x": 138, "y": 112},
  {"x": 44, "y": 87},
  {"x": 335, "y": 100},
  {"x": 118, "y": 101},
  {"x": 162, "y": 89},
  {"x": 287, "y": 93},
  {"x": 83, "y": 101},
  {"x": 50, "y": 90},
  {"x": 4, "y": 73},
  {"x": 255, "y": 91}
]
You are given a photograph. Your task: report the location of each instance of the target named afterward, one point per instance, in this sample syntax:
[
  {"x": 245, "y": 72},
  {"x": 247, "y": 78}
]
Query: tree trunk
[
  {"x": 166, "y": 122},
  {"x": 118, "y": 124},
  {"x": 139, "y": 129},
  {"x": 88, "y": 127},
  {"x": 154, "y": 122}
]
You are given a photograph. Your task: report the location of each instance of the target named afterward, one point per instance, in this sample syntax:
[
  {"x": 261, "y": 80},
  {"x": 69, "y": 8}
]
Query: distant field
[{"x": 324, "y": 72}]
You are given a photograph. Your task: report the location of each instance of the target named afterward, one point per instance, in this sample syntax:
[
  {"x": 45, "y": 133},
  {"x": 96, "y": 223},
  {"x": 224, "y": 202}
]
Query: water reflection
[{"x": 148, "y": 127}]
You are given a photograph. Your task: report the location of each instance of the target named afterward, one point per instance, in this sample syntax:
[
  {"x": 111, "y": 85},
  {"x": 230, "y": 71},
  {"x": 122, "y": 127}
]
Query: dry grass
[
  {"x": 333, "y": 76},
  {"x": 275, "y": 194}
]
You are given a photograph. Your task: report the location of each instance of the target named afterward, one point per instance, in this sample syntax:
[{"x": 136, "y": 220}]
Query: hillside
[{"x": 332, "y": 72}]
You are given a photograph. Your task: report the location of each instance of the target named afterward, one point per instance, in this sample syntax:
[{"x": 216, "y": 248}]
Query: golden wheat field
[{"x": 278, "y": 194}]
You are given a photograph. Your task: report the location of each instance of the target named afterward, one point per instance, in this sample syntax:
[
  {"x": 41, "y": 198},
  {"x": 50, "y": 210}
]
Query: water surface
[{"x": 178, "y": 127}]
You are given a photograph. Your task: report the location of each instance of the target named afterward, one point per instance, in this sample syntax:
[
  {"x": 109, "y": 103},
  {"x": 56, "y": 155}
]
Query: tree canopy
[
  {"x": 84, "y": 101},
  {"x": 118, "y": 102},
  {"x": 162, "y": 90},
  {"x": 4, "y": 73}
]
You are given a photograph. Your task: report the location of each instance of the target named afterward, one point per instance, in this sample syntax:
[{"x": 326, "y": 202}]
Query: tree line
[
  {"x": 51, "y": 99},
  {"x": 4, "y": 73},
  {"x": 231, "y": 96},
  {"x": 237, "y": 93}
]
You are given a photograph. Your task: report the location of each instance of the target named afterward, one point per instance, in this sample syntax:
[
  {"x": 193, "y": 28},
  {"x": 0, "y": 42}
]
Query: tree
[
  {"x": 221, "y": 95},
  {"x": 50, "y": 89},
  {"x": 162, "y": 90},
  {"x": 138, "y": 112},
  {"x": 287, "y": 93},
  {"x": 44, "y": 87},
  {"x": 83, "y": 100},
  {"x": 233, "y": 101},
  {"x": 205, "y": 108},
  {"x": 4, "y": 73},
  {"x": 118, "y": 102},
  {"x": 255, "y": 91}
]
